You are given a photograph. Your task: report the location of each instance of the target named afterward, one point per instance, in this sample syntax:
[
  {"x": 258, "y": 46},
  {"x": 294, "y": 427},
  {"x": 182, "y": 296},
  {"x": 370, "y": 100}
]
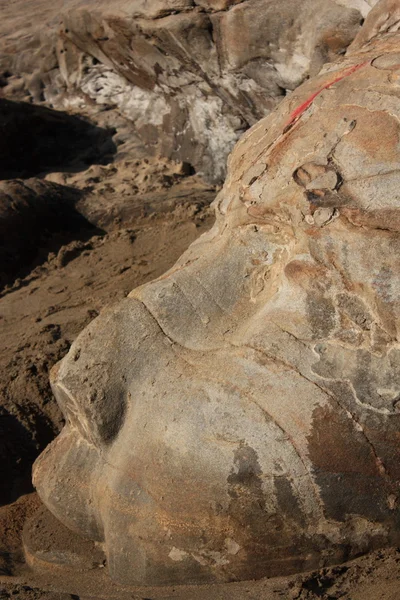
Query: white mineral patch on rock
[
  {"x": 142, "y": 106},
  {"x": 177, "y": 555}
]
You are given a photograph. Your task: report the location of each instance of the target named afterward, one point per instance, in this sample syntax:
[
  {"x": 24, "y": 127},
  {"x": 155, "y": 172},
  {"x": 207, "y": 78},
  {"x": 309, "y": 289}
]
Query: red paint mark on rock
[{"x": 296, "y": 114}]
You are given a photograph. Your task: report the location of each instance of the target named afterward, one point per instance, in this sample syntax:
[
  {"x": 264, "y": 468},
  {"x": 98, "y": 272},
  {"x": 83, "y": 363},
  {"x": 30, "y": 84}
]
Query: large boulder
[{"x": 239, "y": 416}]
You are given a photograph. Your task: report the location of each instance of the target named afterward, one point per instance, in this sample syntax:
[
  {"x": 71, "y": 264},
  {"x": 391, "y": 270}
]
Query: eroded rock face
[
  {"x": 192, "y": 76},
  {"x": 239, "y": 416},
  {"x": 195, "y": 79}
]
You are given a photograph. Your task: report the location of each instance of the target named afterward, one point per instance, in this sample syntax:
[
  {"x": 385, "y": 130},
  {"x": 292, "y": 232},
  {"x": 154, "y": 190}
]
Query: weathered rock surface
[
  {"x": 192, "y": 76},
  {"x": 239, "y": 416}
]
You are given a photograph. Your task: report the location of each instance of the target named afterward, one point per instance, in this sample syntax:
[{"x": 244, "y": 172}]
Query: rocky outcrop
[
  {"x": 192, "y": 76},
  {"x": 239, "y": 416}
]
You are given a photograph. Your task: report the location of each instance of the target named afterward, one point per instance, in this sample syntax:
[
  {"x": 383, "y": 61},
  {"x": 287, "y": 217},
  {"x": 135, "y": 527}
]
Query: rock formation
[
  {"x": 191, "y": 75},
  {"x": 239, "y": 416}
]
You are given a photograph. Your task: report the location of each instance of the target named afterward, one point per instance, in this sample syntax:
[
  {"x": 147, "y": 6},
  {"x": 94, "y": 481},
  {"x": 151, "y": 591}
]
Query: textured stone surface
[
  {"x": 191, "y": 76},
  {"x": 239, "y": 416}
]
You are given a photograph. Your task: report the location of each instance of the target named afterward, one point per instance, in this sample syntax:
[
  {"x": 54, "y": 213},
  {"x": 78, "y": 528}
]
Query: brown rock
[{"x": 238, "y": 416}]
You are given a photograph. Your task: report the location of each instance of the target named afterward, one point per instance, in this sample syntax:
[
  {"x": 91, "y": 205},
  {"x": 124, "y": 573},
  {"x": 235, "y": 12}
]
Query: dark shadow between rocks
[
  {"x": 37, "y": 217},
  {"x": 17, "y": 448},
  {"x": 36, "y": 140}
]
